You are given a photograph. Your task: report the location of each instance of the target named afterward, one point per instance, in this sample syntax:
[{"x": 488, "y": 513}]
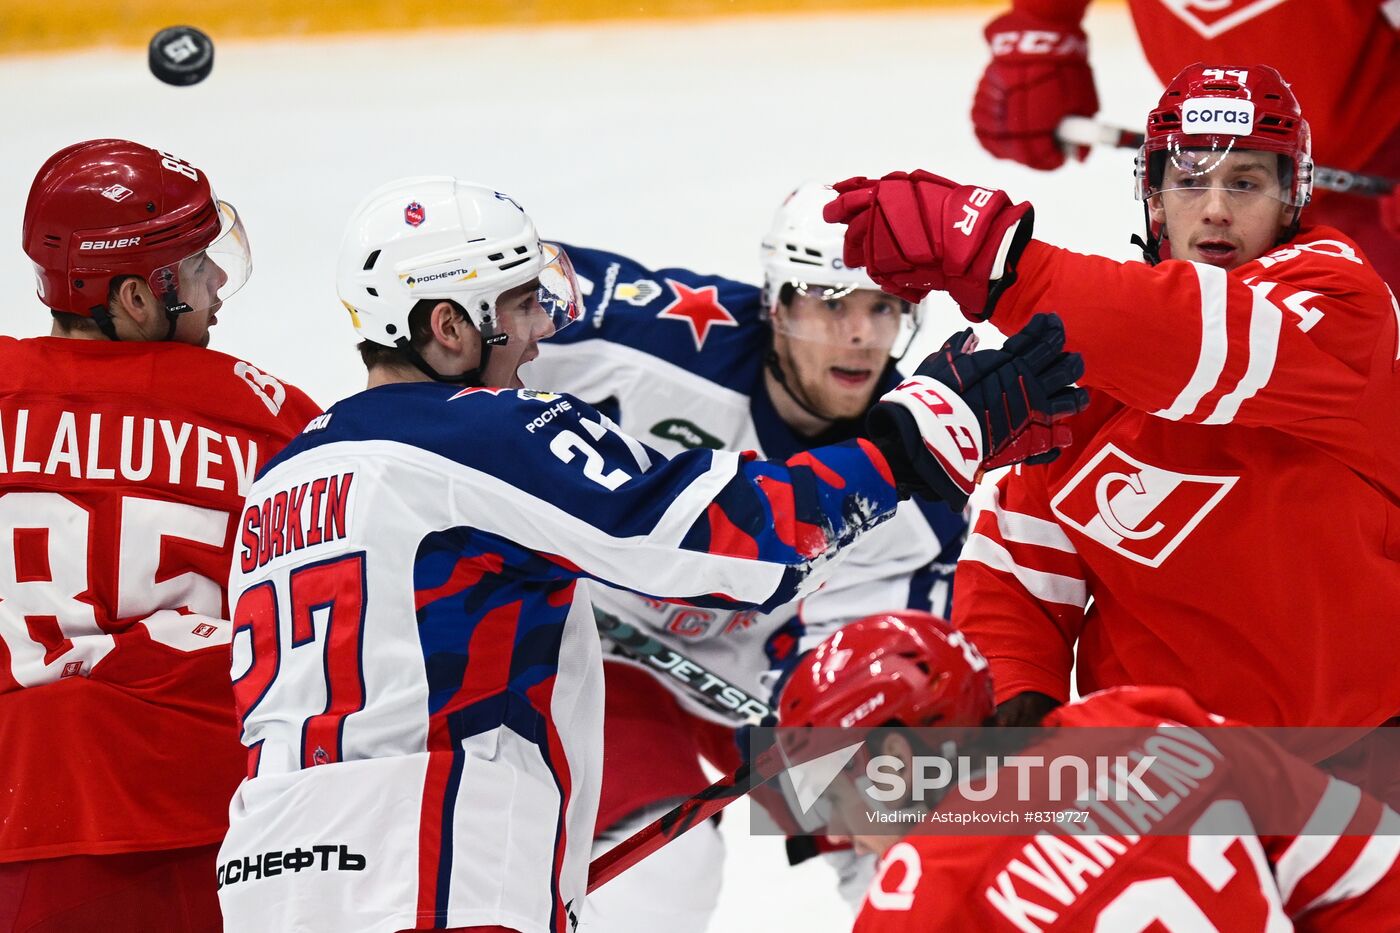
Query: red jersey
[
  {"x": 122, "y": 467},
  {"x": 1231, "y": 503},
  {"x": 1345, "y": 84},
  {"x": 1103, "y": 878}
]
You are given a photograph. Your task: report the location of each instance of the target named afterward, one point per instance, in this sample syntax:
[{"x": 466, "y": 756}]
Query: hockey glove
[
  {"x": 916, "y": 232},
  {"x": 1025, "y": 709},
  {"x": 966, "y": 410},
  {"x": 1039, "y": 74}
]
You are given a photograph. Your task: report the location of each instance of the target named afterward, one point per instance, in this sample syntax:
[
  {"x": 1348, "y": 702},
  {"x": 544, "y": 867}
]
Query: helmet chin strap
[
  {"x": 471, "y": 378},
  {"x": 775, "y": 368},
  {"x": 774, "y": 364},
  {"x": 170, "y": 302},
  {"x": 1152, "y": 246}
]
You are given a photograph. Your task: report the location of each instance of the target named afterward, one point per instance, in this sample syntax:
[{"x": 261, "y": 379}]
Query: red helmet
[
  {"x": 108, "y": 207},
  {"x": 1209, "y": 111},
  {"x": 909, "y": 667}
]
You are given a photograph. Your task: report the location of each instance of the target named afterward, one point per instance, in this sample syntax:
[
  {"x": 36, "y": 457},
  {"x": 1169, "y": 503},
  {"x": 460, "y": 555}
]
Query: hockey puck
[{"x": 181, "y": 55}]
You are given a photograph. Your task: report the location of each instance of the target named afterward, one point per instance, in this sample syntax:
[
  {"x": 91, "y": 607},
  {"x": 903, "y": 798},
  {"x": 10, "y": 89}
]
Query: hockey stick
[
  {"x": 685, "y": 815},
  {"x": 713, "y": 689},
  {"x": 1085, "y": 131}
]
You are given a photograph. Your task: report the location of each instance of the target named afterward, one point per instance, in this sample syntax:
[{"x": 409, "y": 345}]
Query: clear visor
[
  {"x": 541, "y": 307},
  {"x": 204, "y": 280},
  {"x": 845, "y": 316},
  {"x": 1191, "y": 167}
]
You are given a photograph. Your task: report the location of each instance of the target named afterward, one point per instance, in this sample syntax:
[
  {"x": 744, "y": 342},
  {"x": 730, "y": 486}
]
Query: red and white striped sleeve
[
  {"x": 1021, "y": 588},
  {"x": 1340, "y": 872},
  {"x": 1286, "y": 342}
]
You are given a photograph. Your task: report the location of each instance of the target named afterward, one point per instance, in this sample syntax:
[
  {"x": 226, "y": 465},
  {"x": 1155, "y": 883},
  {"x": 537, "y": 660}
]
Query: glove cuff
[
  {"x": 1025, "y": 37},
  {"x": 927, "y": 428},
  {"x": 977, "y": 295}
]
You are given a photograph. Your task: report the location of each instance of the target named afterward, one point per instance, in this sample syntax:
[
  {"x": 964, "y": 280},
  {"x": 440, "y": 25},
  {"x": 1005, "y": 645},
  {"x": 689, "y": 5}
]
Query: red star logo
[{"x": 698, "y": 307}]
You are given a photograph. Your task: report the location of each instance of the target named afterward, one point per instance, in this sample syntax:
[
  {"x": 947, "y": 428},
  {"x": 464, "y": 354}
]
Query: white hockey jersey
[
  {"x": 419, "y": 684},
  {"x": 677, "y": 359}
]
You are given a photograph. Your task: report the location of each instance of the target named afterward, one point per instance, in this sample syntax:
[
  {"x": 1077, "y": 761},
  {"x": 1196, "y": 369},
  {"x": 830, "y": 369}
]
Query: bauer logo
[
  {"x": 1140, "y": 511},
  {"x": 413, "y": 214},
  {"x": 1217, "y": 115},
  {"x": 123, "y": 243}
]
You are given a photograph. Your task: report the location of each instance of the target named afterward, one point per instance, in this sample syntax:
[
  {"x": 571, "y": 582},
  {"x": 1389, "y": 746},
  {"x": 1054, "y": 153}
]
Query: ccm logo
[
  {"x": 110, "y": 244},
  {"x": 1038, "y": 42},
  {"x": 971, "y": 209},
  {"x": 863, "y": 710}
]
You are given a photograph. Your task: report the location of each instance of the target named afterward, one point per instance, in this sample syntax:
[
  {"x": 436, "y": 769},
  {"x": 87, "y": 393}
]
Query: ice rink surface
[{"x": 670, "y": 142}]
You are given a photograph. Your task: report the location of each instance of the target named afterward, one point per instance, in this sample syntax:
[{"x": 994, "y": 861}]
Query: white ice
[{"x": 669, "y": 142}]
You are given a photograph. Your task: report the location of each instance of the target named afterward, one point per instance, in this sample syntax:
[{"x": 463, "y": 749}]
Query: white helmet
[
  {"x": 802, "y": 247},
  {"x": 804, "y": 251},
  {"x": 439, "y": 238}
]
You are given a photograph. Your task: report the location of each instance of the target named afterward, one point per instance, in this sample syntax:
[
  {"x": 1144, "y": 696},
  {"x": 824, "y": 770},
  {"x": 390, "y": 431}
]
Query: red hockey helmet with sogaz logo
[{"x": 1210, "y": 111}]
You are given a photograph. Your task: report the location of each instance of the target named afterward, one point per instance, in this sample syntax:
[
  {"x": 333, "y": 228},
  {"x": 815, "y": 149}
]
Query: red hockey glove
[
  {"x": 1390, "y": 211},
  {"x": 916, "y": 232},
  {"x": 1038, "y": 75},
  {"x": 963, "y": 411}
]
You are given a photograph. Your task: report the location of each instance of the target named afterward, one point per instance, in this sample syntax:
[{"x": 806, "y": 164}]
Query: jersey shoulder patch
[{"x": 701, "y": 323}]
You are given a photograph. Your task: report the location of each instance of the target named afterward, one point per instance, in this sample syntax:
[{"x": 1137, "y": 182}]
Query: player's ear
[
  {"x": 450, "y": 327},
  {"x": 1155, "y": 210},
  {"x": 133, "y": 300},
  {"x": 894, "y": 743}
]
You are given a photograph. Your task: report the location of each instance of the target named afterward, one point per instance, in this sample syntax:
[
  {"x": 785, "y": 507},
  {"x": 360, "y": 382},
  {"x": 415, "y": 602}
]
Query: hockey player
[
  {"x": 125, "y": 451},
  {"x": 1039, "y": 74},
  {"x": 686, "y": 361},
  {"x": 1231, "y": 525},
  {"x": 1157, "y": 861},
  {"x": 419, "y": 682}
]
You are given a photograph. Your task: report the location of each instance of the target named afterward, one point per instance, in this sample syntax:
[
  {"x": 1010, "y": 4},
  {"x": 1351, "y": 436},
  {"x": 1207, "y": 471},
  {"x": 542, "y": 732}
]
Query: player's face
[
  {"x": 525, "y": 324},
  {"x": 851, "y": 817},
  {"x": 1233, "y": 216},
  {"x": 833, "y": 349},
  {"x": 200, "y": 280}
]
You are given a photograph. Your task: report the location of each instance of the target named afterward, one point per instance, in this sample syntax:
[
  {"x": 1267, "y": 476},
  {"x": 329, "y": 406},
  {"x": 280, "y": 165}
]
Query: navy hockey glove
[{"x": 965, "y": 410}]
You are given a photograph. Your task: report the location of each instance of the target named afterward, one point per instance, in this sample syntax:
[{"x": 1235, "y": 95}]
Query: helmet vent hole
[
  {"x": 496, "y": 257},
  {"x": 372, "y": 291},
  {"x": 373, "y": 258},
  {"x": 520, "y": 251},
  {"x": 514, "y": 263}
]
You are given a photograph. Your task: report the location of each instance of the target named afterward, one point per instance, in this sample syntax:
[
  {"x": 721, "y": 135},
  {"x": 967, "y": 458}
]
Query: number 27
[{"x": 331, "y": 593}]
